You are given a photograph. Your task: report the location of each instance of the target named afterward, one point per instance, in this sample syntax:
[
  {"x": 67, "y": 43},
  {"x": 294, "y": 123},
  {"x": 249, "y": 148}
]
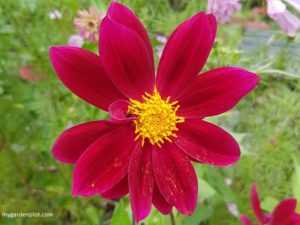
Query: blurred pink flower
[
  {"x": 27, "y": 72},
  {"x": 75, "y": 40},
  {"x": 283, "y": 214},
  {"x": 295, "y": 4},
  {"x": 223, "y": 9},
  {"x": 288, "y": 22},
  {"x": 88, "y": 23}
]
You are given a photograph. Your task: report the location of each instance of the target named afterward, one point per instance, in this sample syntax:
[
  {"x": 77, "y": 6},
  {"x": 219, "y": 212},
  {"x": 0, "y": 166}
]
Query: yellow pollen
[{"x": 156, "y": 118}]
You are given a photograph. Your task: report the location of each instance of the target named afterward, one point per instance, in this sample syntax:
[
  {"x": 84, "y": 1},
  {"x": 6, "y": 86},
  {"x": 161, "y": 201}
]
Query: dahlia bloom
[
  {"x": 283, "y": 214},
  {"x": 223, "y": 9},
  {"x": 289, "y": 23},
  {"x": 156, "y": 126},
  {"x": 88, "y": 23}
]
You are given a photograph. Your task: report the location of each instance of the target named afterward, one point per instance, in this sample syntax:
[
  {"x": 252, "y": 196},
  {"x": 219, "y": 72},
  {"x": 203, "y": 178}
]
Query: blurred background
[{"x": 35, "y": 108}]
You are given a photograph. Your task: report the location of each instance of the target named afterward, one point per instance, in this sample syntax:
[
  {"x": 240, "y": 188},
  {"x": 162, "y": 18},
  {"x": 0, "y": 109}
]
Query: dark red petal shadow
[
  {"x": 216, "y": 91},
  {"x": 207, "y": 143},
  {"x": 118, "y": 191},
  {"x": 82, "y": 72},
  {"x": 160, "y": 202}
]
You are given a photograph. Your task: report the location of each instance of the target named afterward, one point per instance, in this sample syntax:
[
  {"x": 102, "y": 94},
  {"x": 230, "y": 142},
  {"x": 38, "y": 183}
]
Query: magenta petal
[
  {"x": 118, "y": 110},
  {"x": 255, "y": 203},
  {"x": 184, "y": 55},
  {"x": 245, "y": 220},
  {"x": 74, "y": 141},
  {"x": 141, "y": 181},
  {"x": 123, "y": 15},
  {"x": 160, "y": 202},
  {"x": 207, "y": 143},
  {"x": 175, "y": 177},
  {"x": 82, "y": 72},
  {"x": 213, "y": 26},
  {"x": 126, "y": 59},
  {"x": 104, "y": 163},
  {"x": 216, "y": 91},
  {"x": 283, "y": 212},
  {"x": 118, "y": 191}
]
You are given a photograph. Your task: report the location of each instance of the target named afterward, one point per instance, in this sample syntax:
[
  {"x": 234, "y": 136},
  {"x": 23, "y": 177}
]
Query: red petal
[
  {"x": 207, "y": 143},
  {"x": 160, "y": 202},
  {"x": 255, "y": 203},
  {"x": 141, "y": 181},
  {"x": 184, "y": 55},
  {"x": 118, "y": 110},
  {"x": 123, "y": 15},
  {"x": 82, "y": 72},
  {"x": 175, "y": 177},
  {"x": 245, "y": 220},
  {"x": 126, "y": 59},
  {"x": 216, "y": 91},
  {"x": 74, "y": 141},
  {"x": 117, "y": 191},
  {"x": 213, "y": 26},
  {"x": 104, "y": 163},
  {"x": 283, "y": 212}
]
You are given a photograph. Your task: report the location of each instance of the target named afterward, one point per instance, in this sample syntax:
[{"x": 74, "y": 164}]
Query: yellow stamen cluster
[{"x": 156, "y": 118}]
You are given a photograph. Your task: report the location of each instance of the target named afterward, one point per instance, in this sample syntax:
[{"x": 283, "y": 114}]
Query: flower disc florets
[{"x": 156, "y": 118}]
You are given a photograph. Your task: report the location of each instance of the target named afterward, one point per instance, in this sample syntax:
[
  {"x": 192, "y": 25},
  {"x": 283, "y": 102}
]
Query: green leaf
[
  {"x": 120, "y": 215},
  {"x": 206, "y": 189},
  {"x": 269, "y": 203},
  {"x": 296, "y": 182},
  {"x": 216, "y": 180},
  {"x": 202, "y": 213}
]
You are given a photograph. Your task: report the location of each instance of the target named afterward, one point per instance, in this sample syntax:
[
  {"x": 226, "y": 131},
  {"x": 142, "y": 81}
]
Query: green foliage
[
  {"x": 120, "y": 215},
  {"x": 32, "y": 114}
]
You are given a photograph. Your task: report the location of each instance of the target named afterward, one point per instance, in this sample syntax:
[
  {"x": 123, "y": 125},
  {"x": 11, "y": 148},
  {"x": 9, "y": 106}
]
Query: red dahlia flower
[
  {"x": 283, "y": 214},
  {"x": 156, "y": 126}
]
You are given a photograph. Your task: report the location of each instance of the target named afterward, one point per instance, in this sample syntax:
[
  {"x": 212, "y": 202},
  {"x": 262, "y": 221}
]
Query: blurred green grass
[{"x": 32, "y": 115}]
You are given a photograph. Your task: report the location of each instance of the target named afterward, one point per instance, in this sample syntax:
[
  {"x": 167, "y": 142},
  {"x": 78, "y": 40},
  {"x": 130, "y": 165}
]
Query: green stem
[
  {"x": 133, "y": 221},
  {"x": 172, "y": 218}
]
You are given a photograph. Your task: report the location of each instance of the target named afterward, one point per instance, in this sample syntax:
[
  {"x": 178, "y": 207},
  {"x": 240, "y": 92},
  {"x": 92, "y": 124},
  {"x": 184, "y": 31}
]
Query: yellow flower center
[
  {"x": 92, "y": 25},
  {"x": 156, "y": 118}
]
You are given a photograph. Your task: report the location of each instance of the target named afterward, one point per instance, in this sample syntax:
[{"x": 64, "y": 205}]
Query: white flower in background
[
  {"x": 288, "y": 22},
  {"x": 228, "y": 181},
  {"x": 223, "y": 9},
  {"x": 55, "y": 14},
  {"x": 75, "y": 40},
  {"x": 232, "y": 208},
  {"x": 163, "y": 40}
]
